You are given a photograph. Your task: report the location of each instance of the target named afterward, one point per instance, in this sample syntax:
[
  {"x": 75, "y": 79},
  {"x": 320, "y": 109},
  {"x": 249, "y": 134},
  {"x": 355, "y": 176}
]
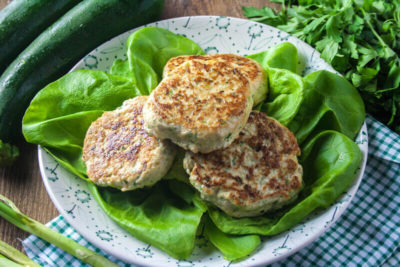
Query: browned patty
[
  {"x": 191, "y": 110},
  {"x": 249, "y": 68},
  {"x": 119, "y": 153},
  {"x": 201, "y": 106},
  {"x": 259, "y": 172}
]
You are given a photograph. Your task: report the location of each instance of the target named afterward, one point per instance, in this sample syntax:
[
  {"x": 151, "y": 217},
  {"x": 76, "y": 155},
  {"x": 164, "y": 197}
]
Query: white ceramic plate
[{"x": 71, "y": 195}]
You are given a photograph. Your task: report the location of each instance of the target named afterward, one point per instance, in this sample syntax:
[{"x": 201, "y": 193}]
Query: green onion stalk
[
  {"x": 11, "y": 213},
  {"x": 10, "y": 257},
  {"x": 9, "y": 263}
]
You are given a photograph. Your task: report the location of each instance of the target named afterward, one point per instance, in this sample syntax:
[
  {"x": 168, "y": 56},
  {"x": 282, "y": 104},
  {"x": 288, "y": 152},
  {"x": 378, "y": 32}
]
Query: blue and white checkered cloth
[{"x": 367, "y": 234}]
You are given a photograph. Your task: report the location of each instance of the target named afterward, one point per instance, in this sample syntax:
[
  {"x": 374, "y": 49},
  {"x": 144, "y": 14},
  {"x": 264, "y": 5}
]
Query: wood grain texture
[
  {"x": 22, "y": 182},
  {"x": 3, "y": 3},
  {"x": 232, "y": 8}
]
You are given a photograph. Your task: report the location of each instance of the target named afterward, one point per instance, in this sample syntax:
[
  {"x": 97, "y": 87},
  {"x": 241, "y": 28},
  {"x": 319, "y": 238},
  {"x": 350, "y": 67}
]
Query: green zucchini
[
  {"x": 22, "y": 21},
  {"x": 57, "y": 49}
]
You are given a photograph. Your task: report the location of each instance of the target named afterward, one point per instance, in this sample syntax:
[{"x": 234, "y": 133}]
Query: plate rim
[{"x": 120, "y": 255}]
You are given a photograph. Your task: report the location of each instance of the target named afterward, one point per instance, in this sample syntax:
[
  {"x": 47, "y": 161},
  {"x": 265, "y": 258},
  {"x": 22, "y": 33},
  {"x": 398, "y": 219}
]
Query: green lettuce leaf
[
  {"x": 285, "y": 86},
  {"x": 329, "y": 161},
  {"x": 155, "y": 215},
  {"x": 233, "y": 247},
  {"x": 60, "y": 114},
  {"x": 177, "y": 171},
  {"x": 330, "y": 103},
  {"x": 281, "y": 56},
  {"x": 148, "y": 50},
  {"x": 285, "y": 97}
]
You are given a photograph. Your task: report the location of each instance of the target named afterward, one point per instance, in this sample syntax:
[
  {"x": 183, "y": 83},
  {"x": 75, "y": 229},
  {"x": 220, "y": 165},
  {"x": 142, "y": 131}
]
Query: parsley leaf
[{"x": 360, "y": 39}]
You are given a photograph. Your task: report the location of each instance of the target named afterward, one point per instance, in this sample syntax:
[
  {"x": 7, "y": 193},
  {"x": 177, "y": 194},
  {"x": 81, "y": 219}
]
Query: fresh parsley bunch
[{"x": 360, "y": 39}]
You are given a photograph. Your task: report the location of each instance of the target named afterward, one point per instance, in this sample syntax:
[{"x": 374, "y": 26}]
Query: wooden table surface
[{"x": 22, "y": 182}]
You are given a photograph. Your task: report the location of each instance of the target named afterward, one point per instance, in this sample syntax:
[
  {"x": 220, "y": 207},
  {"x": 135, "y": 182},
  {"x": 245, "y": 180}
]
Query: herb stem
[{"x": 369, "y": 24}]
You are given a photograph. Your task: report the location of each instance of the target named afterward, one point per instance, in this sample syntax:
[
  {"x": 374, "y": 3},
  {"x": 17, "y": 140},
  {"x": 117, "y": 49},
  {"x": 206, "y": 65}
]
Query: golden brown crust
[
  {"x": 260, "y": 164},
  {"x": 248, "y": 67},
  {"x": 117, "y": 150},
  {"x": 200, "y": 105},
  {"x": 202, "y": 94},
  {"x": 109, "y": 131}
]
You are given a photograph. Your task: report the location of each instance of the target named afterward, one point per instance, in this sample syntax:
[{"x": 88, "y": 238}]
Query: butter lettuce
[
  {"x": 285, "y": 97},
  {"x": 286, "y": 88},
  {"x": 155, "y": 215},
  {"x": 330, "y": 102},
  {"x": 281, "y": 56},
  {"x": 148, "y": 50},
  {"x": 321, "y": 100},
  {"x": 322, "y": 109},
  {"x": 234, "y": 247}
]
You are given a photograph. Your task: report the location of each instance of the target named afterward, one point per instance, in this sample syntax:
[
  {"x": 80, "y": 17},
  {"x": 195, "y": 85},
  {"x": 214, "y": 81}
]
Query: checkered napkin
[{"x": 367, "y": 234}]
